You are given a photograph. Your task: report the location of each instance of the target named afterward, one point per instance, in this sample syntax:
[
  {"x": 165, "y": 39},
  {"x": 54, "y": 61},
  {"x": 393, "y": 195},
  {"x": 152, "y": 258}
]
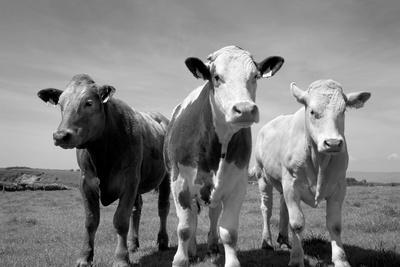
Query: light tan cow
[{"x": 304, "y": 156}]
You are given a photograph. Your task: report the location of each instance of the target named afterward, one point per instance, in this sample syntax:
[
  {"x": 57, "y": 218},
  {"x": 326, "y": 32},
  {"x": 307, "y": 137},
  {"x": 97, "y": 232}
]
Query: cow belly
[
  {"x": 152, "y": 176},
  {"x": 109, "y": 191}
]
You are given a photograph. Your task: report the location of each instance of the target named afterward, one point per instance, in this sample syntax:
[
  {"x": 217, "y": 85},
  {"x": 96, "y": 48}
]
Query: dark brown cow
[{"x": 119, "y": 152}]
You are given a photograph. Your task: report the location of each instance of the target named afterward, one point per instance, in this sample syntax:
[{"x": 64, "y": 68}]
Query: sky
[{"x": 139, "y": 47}]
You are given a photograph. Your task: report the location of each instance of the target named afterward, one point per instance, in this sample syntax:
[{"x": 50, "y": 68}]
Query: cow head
[
  {"x": 82, "y": 110},
  {"x": 325, "y": 106},
  {"x": 233, "y": 75}
]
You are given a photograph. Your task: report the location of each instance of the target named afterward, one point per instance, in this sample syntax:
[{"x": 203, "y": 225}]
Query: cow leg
[
  {"x": 133, "y": 233},
  {"x": 296, "y": 220},
  {"x": 192, "y": 249},
  {"x": 334, "y": 225},
  {"x": 283, "y": 237},
  {"x": 90, "y": 194},
  {"x": 265, "y": 188},
  {"x": 186, "y": 210},
  {"x": 164, "y": 191},
  {"x": 229, "y": 222},
  {"x": 212, "y": 240},
  {"x": 121, "y": 223}
]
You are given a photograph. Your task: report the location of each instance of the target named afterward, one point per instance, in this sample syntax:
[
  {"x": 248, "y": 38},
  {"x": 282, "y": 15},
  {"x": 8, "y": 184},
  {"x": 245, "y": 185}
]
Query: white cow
[
  {"x": 208, "y": 147},
  {"x": 304, "y": 156}
]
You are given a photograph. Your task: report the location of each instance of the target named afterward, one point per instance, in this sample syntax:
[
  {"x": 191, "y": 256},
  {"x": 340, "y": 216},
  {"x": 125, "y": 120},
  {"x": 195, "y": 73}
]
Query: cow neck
[
  {"x": 98, "y": 148},
  {"x": 320, "y": 163},
  {"x": 223, "y": 130}
]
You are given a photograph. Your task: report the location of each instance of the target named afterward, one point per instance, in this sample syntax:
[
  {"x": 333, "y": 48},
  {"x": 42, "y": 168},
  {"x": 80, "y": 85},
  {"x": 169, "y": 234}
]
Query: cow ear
[
  {"x": 300, "y": 95},
  {"x": 106, "y": 92},
  {"x": 50, "y": 95},
  {"x": 198, "y": 68},
  {"x": 357, "y": 100},
  {"x": 269, "y": 66}
]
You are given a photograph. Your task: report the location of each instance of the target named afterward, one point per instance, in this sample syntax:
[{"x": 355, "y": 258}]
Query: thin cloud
[{"x": 393, "y": 156}]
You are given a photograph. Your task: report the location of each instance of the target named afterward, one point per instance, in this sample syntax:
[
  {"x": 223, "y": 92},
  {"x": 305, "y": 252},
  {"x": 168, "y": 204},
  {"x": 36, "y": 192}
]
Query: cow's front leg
[
  {"x": 90, "y": 194},
  {"x": 334, "y": 225},
  {"x": 121, "y": 224},
  {"x": 265, "y": 187},
  {"x": 296, "y": 219},
  {"x": 164, "y": 191},
  {"x": 229, "y": 221},
  {"x": 186, "y": 210},
  {"x": 133, "y": 233},
  {"x": 212, "y": 240}
]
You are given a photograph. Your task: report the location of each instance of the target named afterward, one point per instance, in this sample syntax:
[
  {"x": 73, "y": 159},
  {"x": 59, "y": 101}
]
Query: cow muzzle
[
  {"x": 63, "y": 138},
  {"x": 332, "y": 145},
  {"x": 243, "y": 114}
]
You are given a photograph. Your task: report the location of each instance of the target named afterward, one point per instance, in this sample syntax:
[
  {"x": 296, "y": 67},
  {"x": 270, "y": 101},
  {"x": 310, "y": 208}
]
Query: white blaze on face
[{"x": 234, "y": 76}]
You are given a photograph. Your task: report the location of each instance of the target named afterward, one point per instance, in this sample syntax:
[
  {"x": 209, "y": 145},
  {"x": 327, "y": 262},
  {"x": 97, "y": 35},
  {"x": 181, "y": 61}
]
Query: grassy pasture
[{"x": 43, "y": 228}]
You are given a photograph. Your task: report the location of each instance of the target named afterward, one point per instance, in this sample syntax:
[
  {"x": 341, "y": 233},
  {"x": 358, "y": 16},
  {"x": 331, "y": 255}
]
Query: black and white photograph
[{"x": 181, "y": 133}]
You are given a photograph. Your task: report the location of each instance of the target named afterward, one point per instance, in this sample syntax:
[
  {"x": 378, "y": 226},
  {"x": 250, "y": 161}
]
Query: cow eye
[
  {"x": 88, "y": 103},
  {"x": 216, "y": 77},
  {"x": 315, "y": 114}
]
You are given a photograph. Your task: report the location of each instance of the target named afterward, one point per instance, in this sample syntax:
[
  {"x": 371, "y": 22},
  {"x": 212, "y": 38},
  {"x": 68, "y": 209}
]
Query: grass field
[{"x": 43, "y": 228}]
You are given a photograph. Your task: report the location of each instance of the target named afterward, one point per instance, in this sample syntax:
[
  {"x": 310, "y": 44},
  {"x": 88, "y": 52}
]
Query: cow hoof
[
  {"x": 285, "y": 247},
  {"x": 180, "y": 263},
  {"x": 162, "y": 240},
  {"x": 341, "y": 264},
  {"x": 232, "y": 263},
  {"x": 133, "y": 245},
  {"x": 295, "y": 264},
  {"x": 121, "y": 263},
  {"x": 266, "y": 246},
  {"x": 83, "y": 263},
  {"x": 283, "y": 242}
]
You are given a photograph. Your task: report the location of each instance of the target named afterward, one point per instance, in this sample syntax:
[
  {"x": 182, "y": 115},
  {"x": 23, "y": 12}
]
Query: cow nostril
[
  {"x": 66, "y": 136},
  {"x": 254, "y": 110},
  {"x": 333, "y": 143},
  {"x": 62, "y": 136},
  {"x": 236, "y": 110}
]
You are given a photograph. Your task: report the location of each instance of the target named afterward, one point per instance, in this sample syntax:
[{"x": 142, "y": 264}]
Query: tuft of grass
[
  {"x": 15, "y": 221},
  {"x": 377, "y": 225},
  {"x": 390, "y": 211}
]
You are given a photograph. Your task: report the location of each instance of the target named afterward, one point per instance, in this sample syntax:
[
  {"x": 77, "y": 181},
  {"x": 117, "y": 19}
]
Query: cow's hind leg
[
  {"x": 186, "y": 210},
  {"x": 334, "y": 225},
  {"x": 265, "y": 188},
  {"x": 283, "y": 237},
  {"x": 133, "y": 233},
  {"x": 212, "y": 241},
  {"x": 163, "y": 210},
  {"x": 229, "y": 222},
  {"x": 90, "y": 195}
]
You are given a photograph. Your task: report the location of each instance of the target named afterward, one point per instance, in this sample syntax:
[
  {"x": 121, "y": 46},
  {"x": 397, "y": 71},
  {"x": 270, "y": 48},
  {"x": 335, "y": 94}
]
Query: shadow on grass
[
  {"x": 256, "y": 257},
  {"x": 316, "y": 249},
  {"x": 320, "y": 249}
]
